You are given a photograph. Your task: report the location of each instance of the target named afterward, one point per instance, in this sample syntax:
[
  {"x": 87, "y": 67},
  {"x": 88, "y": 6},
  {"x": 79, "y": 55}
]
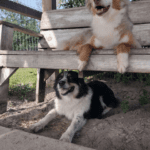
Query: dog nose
[{"x": 61, "y": 83}]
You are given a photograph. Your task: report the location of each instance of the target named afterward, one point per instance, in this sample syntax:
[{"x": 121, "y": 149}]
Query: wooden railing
[{"x": 6, "y": 40}]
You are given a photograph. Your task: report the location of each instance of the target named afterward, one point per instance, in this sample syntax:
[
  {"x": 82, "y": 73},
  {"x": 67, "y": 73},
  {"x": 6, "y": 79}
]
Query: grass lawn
[
  {"x": 23, "y": 82},
  {"x": 24, "y": 76}
]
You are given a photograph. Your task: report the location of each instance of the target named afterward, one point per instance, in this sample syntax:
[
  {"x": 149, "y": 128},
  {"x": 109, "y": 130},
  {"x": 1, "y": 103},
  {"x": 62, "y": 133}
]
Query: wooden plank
[
  {"x": 6, "y": 39},
  {"x": 53, "y": 37},
  {"x": 42, "y": 76},
  {"x": 138, "y": 63},
  {"x": 48, "y": 5},
  {"x": 21, "y": 9},
  {"x": 139, "y": 12},
  {"x": 21, "y": 29},
  {"x": 142, "y": 51},
  {"x": 5, "y": 73}
]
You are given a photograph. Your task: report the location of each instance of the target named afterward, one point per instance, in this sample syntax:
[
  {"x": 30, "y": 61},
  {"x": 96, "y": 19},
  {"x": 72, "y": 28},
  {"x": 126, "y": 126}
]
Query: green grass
[
  {"x": 22, "y": 82},
  {"x": 125, "y": 106},
  {"x": 24, "y": 76}
]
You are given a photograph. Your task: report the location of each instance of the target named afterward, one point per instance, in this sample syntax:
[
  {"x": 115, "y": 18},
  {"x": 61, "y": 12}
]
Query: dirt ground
[{"x": 116, "y": 131}]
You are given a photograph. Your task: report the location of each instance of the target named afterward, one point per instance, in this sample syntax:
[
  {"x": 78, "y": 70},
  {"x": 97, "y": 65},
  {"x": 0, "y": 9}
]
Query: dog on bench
[{"x": 111, "y": 29}]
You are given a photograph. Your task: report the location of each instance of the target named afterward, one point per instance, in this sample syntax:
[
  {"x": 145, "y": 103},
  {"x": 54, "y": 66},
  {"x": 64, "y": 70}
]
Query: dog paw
[
  {"x": 65, "y": 138},
  {"x": 81, "y": 65},
  {"x": 122, "y": 62},
  {"x": 36, "y": 127}
]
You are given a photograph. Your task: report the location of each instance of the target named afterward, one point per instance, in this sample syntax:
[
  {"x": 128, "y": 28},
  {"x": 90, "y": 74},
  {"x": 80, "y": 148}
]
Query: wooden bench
[{"x": 59, "y": 25}]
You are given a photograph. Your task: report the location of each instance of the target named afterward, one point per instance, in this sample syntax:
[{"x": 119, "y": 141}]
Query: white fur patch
[
  {"x": 81, "y": 65},
  {"x": 102, "y": 103},
  {"x": 70, "y": 106},
  {"x": 106, "y": 110},
  {"x": 122, "y": 62}
]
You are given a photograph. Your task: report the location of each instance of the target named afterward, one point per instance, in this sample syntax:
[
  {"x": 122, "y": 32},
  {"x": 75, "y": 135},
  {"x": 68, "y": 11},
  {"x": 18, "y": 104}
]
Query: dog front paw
[
  {"x": 122, "y": 62},
  {"x": 36, "y": 127},
  {"x": 81, "y": 65},
  {"x": 65, "y": 138}
]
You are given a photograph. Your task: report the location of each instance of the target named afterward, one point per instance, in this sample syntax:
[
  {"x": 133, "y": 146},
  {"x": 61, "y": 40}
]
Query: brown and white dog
[{"x": 111, "y": 29}]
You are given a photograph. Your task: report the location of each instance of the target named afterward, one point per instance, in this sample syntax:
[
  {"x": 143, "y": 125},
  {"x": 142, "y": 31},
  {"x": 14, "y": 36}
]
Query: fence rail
[{"x": 20, "y": 9}]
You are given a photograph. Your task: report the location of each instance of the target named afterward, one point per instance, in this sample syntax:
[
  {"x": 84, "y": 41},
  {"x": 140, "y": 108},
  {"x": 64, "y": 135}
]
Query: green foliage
[
  {"x": 20, "y": 90},
  {"x": 144, "y": 99},
  {"x": 125, "y": 78},
  {"x": 71, "y": 3},
  {"x": 125, "y": 106},
  {"x": 22, "y": 82}
]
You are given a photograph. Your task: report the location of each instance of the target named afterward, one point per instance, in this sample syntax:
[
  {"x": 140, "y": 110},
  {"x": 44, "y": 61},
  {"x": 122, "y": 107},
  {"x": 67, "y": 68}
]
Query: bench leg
[
  {"x": 6, "y": 40},
  {"x": 42, "y": 76},
  {"x": 4, "y": 96}
]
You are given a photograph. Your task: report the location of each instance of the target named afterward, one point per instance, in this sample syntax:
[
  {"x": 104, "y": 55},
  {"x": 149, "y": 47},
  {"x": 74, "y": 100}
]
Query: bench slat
[
  {"x": 138, "y": 63},
  {"x": 139, "y": 12},
  {"x": 52, "y": 37},
  {"x": 142, "y": 51}
]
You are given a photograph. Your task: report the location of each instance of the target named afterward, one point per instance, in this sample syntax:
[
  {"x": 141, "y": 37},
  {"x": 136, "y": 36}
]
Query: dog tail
[{"x": 76, "y": 41}]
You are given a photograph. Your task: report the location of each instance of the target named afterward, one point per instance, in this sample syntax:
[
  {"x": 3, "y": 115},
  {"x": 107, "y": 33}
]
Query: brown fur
[
  {"x": 123, "y": 48},
  {"x": 84, "y": 52},
  {"x": 78, "y": 44},
  {"x": 67, "y": 46},
  {"x": 116, "y": 4}
]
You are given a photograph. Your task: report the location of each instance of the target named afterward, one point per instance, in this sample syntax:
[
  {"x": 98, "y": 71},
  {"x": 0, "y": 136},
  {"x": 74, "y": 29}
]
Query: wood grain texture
[
  {"x": 138, "y": 63},
  {"x": 53, "y": 37},
  {"x": 21, "y": 9},
  {"x": 48, "y": 5},
  {"x": 21, "y": 29},
  {"x": 5, "y": 73},
  {"x": 6, "y": 38},
  {"x": 139, "y": 12},
  {"x": 142, "y": 51},
  {"x": 40, "y": 86}
]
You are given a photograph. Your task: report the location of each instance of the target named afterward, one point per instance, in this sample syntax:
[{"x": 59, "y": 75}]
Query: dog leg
[
  {"x": 122, "y": 57},
  {"x": 84, "y": 52},
  {"x": 43, "y": 122},
  {"x": 106, "y": 110},
  {"x": 77, "y": 123}
]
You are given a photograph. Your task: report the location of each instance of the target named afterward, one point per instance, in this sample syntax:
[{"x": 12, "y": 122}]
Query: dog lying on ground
[
  {"x": 111, "y": 29},
  {"x": 79, "y": 102}
]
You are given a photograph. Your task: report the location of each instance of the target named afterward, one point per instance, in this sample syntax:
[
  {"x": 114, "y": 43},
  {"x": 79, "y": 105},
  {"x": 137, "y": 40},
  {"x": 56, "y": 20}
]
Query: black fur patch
[{"x": 100, "y": 89}]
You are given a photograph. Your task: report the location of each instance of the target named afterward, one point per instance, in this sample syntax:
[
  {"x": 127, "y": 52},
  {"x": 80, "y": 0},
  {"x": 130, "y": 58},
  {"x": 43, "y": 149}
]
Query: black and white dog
[{"x": 78, "y": 101}]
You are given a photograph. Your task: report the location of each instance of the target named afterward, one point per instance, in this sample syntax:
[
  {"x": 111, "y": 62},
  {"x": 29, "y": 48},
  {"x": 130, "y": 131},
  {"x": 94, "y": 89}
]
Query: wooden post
[
  {"x": 6, "y": 39},
  {"x": 43, "y": 74},
  {"x": 48, "y": 5}
]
